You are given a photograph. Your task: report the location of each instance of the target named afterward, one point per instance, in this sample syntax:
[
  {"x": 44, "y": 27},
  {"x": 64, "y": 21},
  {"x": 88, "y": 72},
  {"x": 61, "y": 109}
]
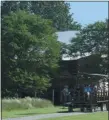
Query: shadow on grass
[
  {"x": 62, "y": 112},
  {"x": 25, "y": 114}
]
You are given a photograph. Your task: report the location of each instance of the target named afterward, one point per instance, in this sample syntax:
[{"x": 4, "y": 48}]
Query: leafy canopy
[
  {"x": 29, "y": 50},
  {"x": 56, "y": 11},
  {"x": 92, "y": 39}
]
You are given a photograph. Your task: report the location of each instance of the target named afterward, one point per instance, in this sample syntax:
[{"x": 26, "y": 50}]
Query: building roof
[{"x": 95, "y": 74}]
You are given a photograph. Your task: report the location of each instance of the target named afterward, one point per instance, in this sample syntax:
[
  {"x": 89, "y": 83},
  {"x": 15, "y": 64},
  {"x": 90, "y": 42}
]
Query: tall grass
[{"x": 24, "y": 103}]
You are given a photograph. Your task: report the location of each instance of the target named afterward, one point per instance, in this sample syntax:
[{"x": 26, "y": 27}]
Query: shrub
[{"x": 25, "y": 103}]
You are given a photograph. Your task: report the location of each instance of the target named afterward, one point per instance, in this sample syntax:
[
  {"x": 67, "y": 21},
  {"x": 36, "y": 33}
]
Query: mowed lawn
[
  {"x": 89, "y": 116},
  {"x": 29, "y": 112}
]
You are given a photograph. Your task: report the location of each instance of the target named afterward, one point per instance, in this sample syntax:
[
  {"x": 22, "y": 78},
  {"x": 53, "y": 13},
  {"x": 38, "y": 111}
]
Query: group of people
[
  {"x": 78, "y": 90},
  {"x": 85, "y": 88}
]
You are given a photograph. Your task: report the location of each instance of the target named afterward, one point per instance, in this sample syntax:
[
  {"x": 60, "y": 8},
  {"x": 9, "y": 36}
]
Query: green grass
[
  {"x": 17, "y": 107},
  {"x": 89, "y": 116},
  {"x": 29, "y": 112}
]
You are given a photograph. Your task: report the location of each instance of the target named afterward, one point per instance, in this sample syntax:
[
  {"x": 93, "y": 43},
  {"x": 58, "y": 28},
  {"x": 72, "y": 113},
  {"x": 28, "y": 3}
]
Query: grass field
[
  {"x": 34, "y": 106},
  {"x": 27, "y": 112},
  {"x": 90, "y": 116},
  {"x": 17, "y": 107}
]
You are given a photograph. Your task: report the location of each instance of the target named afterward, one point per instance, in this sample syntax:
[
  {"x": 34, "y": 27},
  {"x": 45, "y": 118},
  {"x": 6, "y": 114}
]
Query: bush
[{"x": 25, "y": 103}]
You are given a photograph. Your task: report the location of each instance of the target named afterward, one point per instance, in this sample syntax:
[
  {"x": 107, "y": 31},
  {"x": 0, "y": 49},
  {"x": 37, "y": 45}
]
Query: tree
[
  {"x": 93, "y": 40},
  {"x": 13, "y": 6},
  {"x": 29, "y": 51},
  {"x": 58, "y": 12},
  {"x": 63, "y": 49}
]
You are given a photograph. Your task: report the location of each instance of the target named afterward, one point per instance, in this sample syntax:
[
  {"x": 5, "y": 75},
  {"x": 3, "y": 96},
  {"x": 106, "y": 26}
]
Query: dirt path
[{"x": 38, "y": 117}]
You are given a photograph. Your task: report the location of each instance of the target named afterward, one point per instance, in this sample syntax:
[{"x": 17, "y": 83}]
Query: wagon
[{"x": 90, "y": 101}]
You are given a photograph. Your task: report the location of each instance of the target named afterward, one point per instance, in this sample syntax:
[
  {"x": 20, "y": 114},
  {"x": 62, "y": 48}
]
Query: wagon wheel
[
  {"x": 92, "y": 109},
  {"x": 107, "y": 106},
  {"x": 101, "y": 107},
  {"x": 70, "y": 108},
  {"x": 82, "y": 109}
]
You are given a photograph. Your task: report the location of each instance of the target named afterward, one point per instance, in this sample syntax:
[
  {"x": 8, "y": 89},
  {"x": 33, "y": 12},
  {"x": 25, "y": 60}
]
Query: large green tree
[
  {"x": 93, "y": 40},
  {"x": 30, "y": 50},
  {"x": 57, "y": 11}
]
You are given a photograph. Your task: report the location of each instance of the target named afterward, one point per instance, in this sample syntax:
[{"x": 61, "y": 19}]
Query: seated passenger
[{"x": 87, "y": 88}]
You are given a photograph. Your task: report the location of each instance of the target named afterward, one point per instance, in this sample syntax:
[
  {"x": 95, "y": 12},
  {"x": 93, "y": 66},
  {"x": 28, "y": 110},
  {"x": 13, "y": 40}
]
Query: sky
[
  {"x": 85, "y": 13},
  {"x": 66, "y": 36},
  {"x": 89, "y": 12}
]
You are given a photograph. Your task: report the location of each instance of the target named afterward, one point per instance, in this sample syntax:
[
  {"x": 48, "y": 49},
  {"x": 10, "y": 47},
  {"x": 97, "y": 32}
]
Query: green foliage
[
  {"x": 29, "y": 80},
  {"x": 56, "y": 11},
  {"x": 29, "y": 51},
  {"x": 91, "y": 39},
  {"x": 64, "y": 49}
]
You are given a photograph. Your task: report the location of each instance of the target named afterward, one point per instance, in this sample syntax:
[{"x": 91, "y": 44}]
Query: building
[{"x": 74, "y": 70}]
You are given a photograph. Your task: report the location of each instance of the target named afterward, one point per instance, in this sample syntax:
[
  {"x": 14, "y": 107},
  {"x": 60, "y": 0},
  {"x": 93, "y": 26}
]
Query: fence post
[
  {"x": 35, "y": 94},
  {"x": 53, "y": 96}
]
